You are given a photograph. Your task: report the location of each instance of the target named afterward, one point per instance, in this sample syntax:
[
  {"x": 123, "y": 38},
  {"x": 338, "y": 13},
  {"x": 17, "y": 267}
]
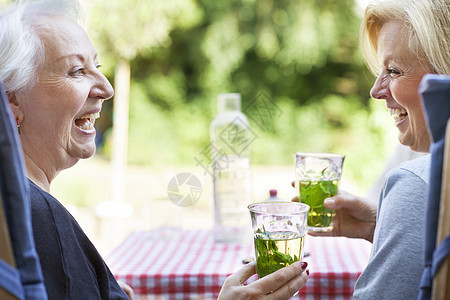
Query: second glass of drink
[{"x": 317, "y": 178}]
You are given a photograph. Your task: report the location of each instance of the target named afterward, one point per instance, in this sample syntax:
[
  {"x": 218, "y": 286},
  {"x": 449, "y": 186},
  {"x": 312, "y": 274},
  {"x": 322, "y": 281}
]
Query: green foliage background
[{"x": 304, "y": 55}]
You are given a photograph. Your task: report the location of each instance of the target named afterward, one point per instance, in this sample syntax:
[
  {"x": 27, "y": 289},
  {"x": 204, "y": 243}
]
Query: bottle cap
[{"x": 229, "y": 102}]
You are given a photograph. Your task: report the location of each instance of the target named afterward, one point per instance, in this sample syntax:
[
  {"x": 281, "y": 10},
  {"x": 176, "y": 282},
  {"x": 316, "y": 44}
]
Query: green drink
[
  {"x": 279, "y": 228},
  {"x": 277, "y": 250},
  {"x": 318, "y": 176},
  {"x": 313, "y": 193}
]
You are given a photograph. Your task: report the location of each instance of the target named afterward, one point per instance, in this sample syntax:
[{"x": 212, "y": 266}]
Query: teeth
[
  {"x": 87, "y": 126},
  {"x": 91, "y": 116},
  {"x": 398, "y": 114},
  {"x": 89, "y": 121}
]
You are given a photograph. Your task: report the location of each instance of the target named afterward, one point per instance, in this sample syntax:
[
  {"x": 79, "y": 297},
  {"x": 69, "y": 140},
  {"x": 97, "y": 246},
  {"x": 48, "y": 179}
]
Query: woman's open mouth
[
  {"x": 399, "y": 114},
  {"x": 87, "y": 122}
]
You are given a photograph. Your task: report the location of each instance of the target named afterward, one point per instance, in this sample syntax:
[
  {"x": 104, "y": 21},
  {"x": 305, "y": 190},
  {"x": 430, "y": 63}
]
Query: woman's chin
[
  {"x": 82, "y": 144},
  {"x": 90, "y": 151},
  {"x": 83, "y": 151},
  {"x": 422, "y": 146},
  {"x": 404, "y": 140}
]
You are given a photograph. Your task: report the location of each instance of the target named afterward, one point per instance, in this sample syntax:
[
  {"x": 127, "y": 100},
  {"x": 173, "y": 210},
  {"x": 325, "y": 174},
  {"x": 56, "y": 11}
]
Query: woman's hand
[
  {"x": 282, "y": 284},
  {"x": 127, "y": 289},
  {"x": 355, "y": 218}
]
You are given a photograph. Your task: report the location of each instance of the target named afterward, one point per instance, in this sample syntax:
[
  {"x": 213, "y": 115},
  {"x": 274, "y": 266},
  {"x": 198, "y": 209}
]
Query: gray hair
[
  {"x": 427, "y": 24},
  {"x": 22, "y": 52}
]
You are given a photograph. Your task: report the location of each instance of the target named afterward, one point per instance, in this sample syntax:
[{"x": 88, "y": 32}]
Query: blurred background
[{"x": 169, "y": 60}]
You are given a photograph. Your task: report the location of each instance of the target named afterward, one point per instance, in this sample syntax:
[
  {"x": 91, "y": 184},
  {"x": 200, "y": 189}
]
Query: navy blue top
[{"x": 72, "y": 267}]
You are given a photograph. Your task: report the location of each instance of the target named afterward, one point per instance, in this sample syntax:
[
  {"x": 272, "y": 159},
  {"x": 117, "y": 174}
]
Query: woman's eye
[
  {"x": 77, "y": 72},
  {"x": 393, "y": 71}
]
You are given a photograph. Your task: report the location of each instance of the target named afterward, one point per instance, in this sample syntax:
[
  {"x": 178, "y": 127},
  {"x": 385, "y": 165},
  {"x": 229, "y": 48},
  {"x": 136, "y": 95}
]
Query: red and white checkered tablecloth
[{"x": 192, "y": 266}]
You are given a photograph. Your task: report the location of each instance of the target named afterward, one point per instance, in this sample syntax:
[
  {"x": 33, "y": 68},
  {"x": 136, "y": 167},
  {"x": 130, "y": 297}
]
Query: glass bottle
[{"x": 231, "y": 137}]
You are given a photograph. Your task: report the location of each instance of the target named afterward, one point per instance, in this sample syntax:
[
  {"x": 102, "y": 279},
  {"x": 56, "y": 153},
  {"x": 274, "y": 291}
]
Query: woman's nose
[
  {"x": 102, "y": 89},
  {"x": 380, "y": 88}
]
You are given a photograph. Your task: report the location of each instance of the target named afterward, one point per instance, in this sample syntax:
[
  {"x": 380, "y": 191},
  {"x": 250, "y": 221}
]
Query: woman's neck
[{"x": 37, "y": 174}]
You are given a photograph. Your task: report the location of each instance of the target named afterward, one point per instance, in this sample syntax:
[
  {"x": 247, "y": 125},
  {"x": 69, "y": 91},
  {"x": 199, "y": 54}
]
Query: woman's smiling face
[
  {"x": 59, "y": 112},
  {"x": 398, "y": 83}
]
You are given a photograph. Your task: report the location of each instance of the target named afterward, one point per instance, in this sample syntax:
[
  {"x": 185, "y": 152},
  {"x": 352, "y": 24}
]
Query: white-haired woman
[{"x": 51, "y": 75}]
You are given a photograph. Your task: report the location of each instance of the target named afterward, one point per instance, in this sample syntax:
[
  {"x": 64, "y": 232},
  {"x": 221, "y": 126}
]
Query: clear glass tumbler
[
  {"x": 317, "y": 178},
  {"x": 279, "y": 230}
]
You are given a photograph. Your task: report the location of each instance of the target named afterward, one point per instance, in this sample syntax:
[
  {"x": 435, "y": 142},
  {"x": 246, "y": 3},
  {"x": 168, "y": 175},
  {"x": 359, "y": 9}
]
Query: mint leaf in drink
[
  {"x": 313, "y": 193},
  {"x": 323, "y": 173},
  {"x": 277, "y": 252},
  {"x": 279, "y": 257},
  {"x": 329, "y": 188}
]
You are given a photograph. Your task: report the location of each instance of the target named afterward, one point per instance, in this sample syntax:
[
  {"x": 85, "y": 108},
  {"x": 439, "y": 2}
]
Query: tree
[
  {"x": 133, "y": 27},
  {"x": 304, "y": 55}
]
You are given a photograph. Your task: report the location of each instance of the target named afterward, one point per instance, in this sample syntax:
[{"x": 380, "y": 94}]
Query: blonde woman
[{"x": 402, "y": 40}]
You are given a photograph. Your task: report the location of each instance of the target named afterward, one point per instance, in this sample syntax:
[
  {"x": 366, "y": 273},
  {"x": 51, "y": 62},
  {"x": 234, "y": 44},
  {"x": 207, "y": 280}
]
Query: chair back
[
  {"x": 20, "y": 271},
  {"x": 435, "y": 283},
  {"x": 6, "y": 251}
]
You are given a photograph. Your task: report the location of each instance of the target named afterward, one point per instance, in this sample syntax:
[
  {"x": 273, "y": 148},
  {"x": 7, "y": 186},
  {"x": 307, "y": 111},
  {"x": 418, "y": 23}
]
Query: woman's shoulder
[
  {"x": 409, "y": 180},
  {"x": 47, "y": 213},
  {"x": 41, "y": 200},
  {"x": 419, "y": 168},
  {"x": 38, "y": 193}
]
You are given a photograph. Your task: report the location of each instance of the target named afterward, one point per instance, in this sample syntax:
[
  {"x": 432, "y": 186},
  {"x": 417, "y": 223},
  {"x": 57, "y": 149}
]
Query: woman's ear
[{"x": 15, "y": 106}]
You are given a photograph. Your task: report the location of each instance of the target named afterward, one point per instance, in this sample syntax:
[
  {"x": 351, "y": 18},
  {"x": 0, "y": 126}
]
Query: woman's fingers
[
  {"x": 278, "y": 279},
  {"x": 288, "y": 290},
  {"x": 127, "y": 289},
  {"x": 241, "y": 275},
  {"x": 282, "y": 284}
]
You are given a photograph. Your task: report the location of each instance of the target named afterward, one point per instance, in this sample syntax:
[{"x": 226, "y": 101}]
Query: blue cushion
[
  {"x": 16, "y": 203},
  {"x": 435, "y": 93}
]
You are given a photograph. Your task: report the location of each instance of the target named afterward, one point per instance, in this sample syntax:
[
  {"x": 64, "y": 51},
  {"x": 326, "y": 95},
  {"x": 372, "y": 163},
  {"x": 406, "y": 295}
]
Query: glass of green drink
[
  {"x": 279, "y": 230},
  {"x": 317, "y": 178}
]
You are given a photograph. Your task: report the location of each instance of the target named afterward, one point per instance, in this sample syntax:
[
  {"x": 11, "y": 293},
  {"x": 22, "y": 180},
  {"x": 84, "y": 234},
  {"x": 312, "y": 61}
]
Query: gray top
[{"x": 396, "y": 261}]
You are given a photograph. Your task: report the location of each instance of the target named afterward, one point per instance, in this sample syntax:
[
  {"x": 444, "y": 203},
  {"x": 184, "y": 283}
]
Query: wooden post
[
  {"x": 6, "y": 251},
  {"x": 120, "y": 131},
  {"x": 441, "y": 282}
]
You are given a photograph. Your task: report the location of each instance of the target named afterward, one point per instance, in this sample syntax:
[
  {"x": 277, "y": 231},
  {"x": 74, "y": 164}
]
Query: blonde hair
[
  {"x": 22, "y": 52},
  {"x": 427, "y": 24}
]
